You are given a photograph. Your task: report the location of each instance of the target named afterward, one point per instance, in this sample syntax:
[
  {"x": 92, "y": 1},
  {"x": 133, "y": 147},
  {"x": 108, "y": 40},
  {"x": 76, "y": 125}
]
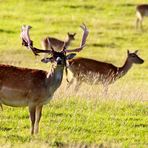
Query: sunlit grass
[{"x": 86, "y": 117}]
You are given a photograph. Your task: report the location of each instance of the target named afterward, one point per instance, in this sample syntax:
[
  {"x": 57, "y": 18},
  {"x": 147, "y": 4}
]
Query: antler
[
  {"x": 84, "y": 37},
  {"x": 26, "y": 41},
  {"x": 25, "y": 36}
]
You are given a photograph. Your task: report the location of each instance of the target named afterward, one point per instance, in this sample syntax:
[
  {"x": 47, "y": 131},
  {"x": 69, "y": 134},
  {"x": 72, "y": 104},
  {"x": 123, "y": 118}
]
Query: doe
[
  {"x": 94, "y": 72},
  {"x": 56, "y": 43}
]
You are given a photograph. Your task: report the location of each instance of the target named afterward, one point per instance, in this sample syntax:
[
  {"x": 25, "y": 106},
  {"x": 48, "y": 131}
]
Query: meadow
[{"x": 87, "y": 118}]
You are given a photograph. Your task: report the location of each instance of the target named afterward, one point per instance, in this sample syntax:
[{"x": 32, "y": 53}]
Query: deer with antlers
[
  {"x": 32, "y": 87},
  {"x": 94, "y": 72}
]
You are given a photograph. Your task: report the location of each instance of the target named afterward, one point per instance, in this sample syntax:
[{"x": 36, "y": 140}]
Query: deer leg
[
  {"x": 38, "y": 115},
  {"x": 70, "y": 83},
  {"x": 105, "y": 89},
  {"x": 32, "y": 117},
  {"x": 137, "y": 23},
  {"x": 1, "y": 106},
  {"x": 77, "y": 86},
  {"x": 141, "y": 27},
  {"x": 140, "y": 20}
]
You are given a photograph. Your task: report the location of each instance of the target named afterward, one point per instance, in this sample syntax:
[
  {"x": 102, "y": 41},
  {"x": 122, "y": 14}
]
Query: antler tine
[
  {"x": 25, "y": 36},
  {"x": 84, "y": 37},
  {"x": 64, "y": 48},
  {"x": 85, "y": 34},
  {"x": 26, "y": 41},
  {"x": 30, "y": 43}
]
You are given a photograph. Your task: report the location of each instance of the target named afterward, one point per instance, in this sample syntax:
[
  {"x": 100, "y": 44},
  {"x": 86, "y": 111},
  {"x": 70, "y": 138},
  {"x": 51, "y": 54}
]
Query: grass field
[{"x": 88, "y": 118}]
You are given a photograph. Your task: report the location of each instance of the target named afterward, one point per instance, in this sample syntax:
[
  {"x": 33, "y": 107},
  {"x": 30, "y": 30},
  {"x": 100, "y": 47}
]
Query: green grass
[
  {"x": 88, "y": 117},
  {"x": 80, "y": 121}
]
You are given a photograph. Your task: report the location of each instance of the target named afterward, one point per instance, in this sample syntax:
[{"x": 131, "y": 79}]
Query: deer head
[
  {"x": 71, "y": 36},
  {"x": 134, "y": 58}
]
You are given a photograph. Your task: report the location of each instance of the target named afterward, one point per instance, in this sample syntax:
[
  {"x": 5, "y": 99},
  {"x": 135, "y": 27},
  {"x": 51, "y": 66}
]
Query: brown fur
[
  {"x": 84, "y": 67},
  {"x": 11, "y": 75}
]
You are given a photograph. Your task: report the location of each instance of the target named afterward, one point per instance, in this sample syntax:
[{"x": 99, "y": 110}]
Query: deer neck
[
  {"x": 67, "y": 41},
  {"x": 54, "y": 78},
  {"x": 125, "y": 68}
]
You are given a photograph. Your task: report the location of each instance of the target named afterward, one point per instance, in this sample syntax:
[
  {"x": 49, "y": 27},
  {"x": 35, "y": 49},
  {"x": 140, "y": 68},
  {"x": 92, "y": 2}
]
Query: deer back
[
  {"x": 21, "y": 78},
  {"x": 86, "y": 66},
  {"x": 55, "y": 43}
]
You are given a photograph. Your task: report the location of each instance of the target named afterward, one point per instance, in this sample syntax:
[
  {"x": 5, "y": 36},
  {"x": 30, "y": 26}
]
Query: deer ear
[
  {"x": 128, "y": 52},
  {"x": 74, "y": 34},
  {"x": 136, "y": 51},
  {"x": 68, "y": 33},
  {"x": 70, "y": 56},
  {"x": 46, "y": 60}
]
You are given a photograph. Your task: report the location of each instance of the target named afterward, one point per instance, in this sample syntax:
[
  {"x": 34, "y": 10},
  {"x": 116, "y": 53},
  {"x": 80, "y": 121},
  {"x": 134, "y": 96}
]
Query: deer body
[
  {"x": 94, "y": 72},
  {"x": 86, "y": 70},
  {"x": 141, "y": 11},
  {"x": 56, "y": 43},
  {"x": 19, "y": 86}
]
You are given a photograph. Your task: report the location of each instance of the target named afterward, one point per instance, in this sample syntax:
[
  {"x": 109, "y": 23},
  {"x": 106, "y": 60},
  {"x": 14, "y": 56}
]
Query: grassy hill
[{"x": 88, "y": 118}]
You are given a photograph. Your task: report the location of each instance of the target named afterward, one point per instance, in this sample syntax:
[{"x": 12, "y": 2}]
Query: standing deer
[
  {"x": 56, "y": 43},
  {"x": 93, "y": 72},
  {"x": 141, "y": 11},
  {"x": 32, "y": 87}
]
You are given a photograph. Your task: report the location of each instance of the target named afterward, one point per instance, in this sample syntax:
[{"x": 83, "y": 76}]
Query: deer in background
[
  {"x": 32, "y": 87},
  {"x": 56, "y": 43},
  {"x": 94, "y": 72},
  {"x": 141, "y": 11}
]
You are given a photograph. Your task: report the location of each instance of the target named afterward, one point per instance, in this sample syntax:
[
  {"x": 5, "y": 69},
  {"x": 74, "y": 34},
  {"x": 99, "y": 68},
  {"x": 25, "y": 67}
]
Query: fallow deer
[
  {"x": 141, "y": 11},
  {"x": 56, "y": 43},
  {"x": 94, "y": 72},
  {"x": 32, "y": 87}
]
